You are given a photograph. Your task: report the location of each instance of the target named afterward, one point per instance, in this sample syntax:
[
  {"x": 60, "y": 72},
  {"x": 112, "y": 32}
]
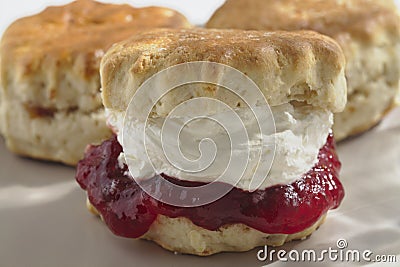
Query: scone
[
  {"x": 300, "y": 75},
  {"x": 50, "y": 98},
  {"x": 367, "y": 30}
]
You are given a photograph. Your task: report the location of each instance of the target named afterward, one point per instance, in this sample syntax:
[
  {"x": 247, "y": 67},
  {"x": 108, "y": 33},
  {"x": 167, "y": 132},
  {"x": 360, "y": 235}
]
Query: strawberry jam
[{"x": 129, "y": 211}]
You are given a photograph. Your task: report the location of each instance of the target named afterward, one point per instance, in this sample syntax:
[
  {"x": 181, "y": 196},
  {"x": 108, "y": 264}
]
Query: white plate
[{"x": 44, "y": 221}]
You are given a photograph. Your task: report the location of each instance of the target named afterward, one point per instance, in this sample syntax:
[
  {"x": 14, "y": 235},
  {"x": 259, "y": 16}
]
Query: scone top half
[
  {"x": 50, "y": 99},
  {"x": 367, "y": 30},
  {"x": 300, "y": 66},
  {"x": 51, "y": 60},
  {"x": 365, "y": 20}
]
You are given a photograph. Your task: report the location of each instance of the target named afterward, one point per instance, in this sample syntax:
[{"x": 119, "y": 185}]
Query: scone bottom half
[{"x": 263, "y": 217}]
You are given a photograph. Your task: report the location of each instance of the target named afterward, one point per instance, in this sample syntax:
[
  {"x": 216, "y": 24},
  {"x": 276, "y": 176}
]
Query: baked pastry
[
  {"x": 50, "y": 99},
  {"x": 300, "y": 74},
  {"x": 368, "y": 32}
]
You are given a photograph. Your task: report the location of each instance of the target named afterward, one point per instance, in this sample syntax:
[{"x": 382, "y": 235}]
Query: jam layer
[{"x": 129, "y": 211}]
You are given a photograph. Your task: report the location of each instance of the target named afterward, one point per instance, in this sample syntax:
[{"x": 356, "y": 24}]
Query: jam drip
[{"x": 129, "y": 211}]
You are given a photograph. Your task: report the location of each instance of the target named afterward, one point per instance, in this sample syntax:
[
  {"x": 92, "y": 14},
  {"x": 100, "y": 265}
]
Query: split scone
[
  {"x": 300, "y": 74},
  {"x": 367, "y": 30},
  {"x": 50, "y": 101}
]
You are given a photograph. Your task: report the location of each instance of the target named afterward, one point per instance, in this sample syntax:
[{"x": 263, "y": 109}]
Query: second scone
[
  {"x": 50, "y": 101},
  {"x": 367, "y": 30}
]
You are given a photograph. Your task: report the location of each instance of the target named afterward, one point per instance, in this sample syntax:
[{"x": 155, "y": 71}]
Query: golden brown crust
[
  {"x": 75, "y": 36},
  {"x": 303, "y": 66},
  {"x": 366, "y": 20}
]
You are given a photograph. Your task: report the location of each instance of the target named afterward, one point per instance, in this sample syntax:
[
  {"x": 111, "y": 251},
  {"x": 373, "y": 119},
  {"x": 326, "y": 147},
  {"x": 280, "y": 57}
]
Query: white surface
[{"x": 44, "y": 221}]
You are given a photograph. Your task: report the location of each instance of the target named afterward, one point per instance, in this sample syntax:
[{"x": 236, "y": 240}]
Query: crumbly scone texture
[
  {"x": 50, "y": 73},
  {"x": 287, "y": 66},
  {"x": 367, "y": 30},
  {"x": 63, "y": 137},
  {"x": 181, "y": 235}
]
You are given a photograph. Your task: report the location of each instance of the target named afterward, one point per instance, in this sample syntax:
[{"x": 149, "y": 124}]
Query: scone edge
[{"x": 182, "y": 236}]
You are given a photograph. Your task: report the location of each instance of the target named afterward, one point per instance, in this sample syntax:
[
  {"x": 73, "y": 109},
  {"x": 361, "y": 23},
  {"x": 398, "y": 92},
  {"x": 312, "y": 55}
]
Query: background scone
[
  {"x": 50, "y": 99},
  {"x": 367, "y": 30},
  {"x": 298, "y": 72}
]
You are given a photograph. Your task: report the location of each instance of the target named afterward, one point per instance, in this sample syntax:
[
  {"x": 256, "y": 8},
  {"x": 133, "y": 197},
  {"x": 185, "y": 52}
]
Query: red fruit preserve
[{"x": 129, "y": 211}]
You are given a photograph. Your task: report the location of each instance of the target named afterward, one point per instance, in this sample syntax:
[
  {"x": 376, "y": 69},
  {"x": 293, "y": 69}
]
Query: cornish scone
[
  {"x": 50, "y": 104},
  {"x": 368, "y": 32},
  {"x": 300, "y": 74}
]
